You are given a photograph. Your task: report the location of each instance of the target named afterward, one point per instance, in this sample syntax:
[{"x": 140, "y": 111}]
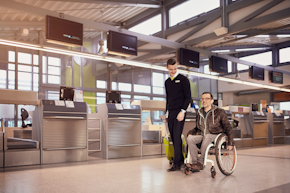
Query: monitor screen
[
  {"x": 217, "y": 64},
  {"x": 113, "y": 96},
  {"x": 121, "y": 44},
  {"x": 66, "y": 93},
  {"x": 58, "y": 29},
  {"x": 255, "y": 107},
  {"x": 188, "y": 58},
  {"x": 256, "y": 73},
  {"x": 276, "y": 77}
]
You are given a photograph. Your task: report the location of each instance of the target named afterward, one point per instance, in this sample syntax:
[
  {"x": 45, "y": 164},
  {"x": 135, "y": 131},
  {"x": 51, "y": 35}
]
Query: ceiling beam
[
  {"x": 135, "y": 3},
  {"x": 103, "y": 27},
  {"x": 26, "y": 24}
]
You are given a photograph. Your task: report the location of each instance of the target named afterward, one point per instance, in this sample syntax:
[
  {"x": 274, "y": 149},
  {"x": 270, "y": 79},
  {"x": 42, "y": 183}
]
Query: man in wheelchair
[{"x": 210, "y": 122}]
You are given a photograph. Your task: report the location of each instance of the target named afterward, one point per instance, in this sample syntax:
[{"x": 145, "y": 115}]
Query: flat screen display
[
  {"x": 113, "y": 97},
  {"x": 121, "y": 44},
  {"x": 217, "y": 64},
  {"x": 256, "y": 73},
  {"x": 66, "y": 93},
  {"x": 255, "y": 107},
  {"x": 58, "y": 29},
  {"x": 188, "y": 58},
  {"x": 276, "y": 77}
]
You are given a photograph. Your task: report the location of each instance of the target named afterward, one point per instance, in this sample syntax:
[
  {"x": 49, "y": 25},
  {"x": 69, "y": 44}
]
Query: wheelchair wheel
[{"x": 226, "y": 160}]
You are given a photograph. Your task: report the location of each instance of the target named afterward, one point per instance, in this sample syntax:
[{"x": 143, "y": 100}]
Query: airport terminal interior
[{"x": 83, "y": 101}]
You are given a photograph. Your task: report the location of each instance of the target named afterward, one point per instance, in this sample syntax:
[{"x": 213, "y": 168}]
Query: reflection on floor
[{"x": 263, "y": 170}]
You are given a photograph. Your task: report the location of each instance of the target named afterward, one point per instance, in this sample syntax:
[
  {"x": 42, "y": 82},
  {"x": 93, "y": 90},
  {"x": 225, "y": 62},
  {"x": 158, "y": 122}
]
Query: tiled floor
[{"x": 262, "y": 170}]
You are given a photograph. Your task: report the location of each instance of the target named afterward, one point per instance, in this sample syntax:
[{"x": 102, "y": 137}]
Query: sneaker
[
  {"x": 197, "y": 166},
  {"x": 174, "y": 168}
]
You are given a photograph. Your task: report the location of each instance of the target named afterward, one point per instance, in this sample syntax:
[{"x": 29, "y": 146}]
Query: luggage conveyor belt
[
  {"x": 18, "y": 143},
  {"x": 19, "y": 152}
]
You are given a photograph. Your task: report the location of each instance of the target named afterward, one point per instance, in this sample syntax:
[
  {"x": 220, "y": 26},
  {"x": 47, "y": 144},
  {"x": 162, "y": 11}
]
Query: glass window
[
  {"x": 262, "y": 58},
  {"x": 149, "y": 26},
  {"x": 142, "y": 88},
  {"x": 159, "y": 99},
  {"x": 242, "y": 67},
  {"x": 24, "y": 68},
  {"x": 101, "y": 84},
  {"x": 3, "y": 79},
  {"x": 35, "y": 59},
  {"x": 11, "y": 66},
  {"x": 126, "y": 99},
  {"x": 53, "y": 79},
  {"x": 24, "y": 58},
  {"x": 125, "y": 87},
  {"x": 53, "y": 61},
  {"x": 53, "y": 70},
  {"x": 11, "y": 56},
  {"x": 138, "y": 97},
  {"x": 158, "y": 90},
  {"x": 101, "y": 98},
  {"x": 284, "y": 55},
  {"x": 229, "y": 66},
  {"x": 11, "y": 80},
  {"x": 189, "y": 9},
  {"x": 7, "y": 112},
  {"x": 52, "y": 95},
  {"x": 44, "y": 66},
  {"x": 158, "y": 80},
  {"x": 24, "y": 81},
  {"x": 114, "y": 86}
]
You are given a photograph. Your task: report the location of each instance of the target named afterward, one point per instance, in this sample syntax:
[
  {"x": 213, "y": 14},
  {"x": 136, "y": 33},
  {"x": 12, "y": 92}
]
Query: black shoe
[{"x": 174, "y": 168}]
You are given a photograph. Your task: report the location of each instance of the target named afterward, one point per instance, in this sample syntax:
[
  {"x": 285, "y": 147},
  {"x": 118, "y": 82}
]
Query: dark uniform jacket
[{"x": 214, "y": 122}]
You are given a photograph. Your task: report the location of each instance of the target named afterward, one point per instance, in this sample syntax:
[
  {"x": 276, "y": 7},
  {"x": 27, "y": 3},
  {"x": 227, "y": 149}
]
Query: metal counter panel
[
  {"x": 64, "y": 133},
  {"x": 119, "y": 152},
  {"x": 49, "y": 105},
  {"x": 22, "y": 158},
  {"x": 60, "y": 156},
  {"x": 124, "y": 131}
]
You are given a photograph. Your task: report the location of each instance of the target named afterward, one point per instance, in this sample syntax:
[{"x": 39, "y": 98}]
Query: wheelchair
[{"x": 226, "y": 160}]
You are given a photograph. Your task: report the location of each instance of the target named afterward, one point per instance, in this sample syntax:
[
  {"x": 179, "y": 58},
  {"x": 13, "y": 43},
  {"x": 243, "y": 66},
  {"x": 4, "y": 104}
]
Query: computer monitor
[
  {"x": 255, "y": 107},
  {"x": 113, "y": 96},
  {"x": 66, "y": 93}
]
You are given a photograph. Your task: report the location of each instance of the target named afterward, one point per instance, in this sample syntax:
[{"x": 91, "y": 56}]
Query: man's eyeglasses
[{"x": 205, "y": 99}]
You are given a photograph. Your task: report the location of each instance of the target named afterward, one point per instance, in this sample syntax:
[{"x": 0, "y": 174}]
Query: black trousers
[{"x": 175, "y": 128}]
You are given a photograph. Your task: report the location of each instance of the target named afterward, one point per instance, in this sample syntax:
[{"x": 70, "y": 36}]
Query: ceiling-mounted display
[
  {"x": 217, "y": 64},
  {"x": 256, "y": 73},
  {"x": 63, "y": 31},
  {"x": 276, "y": 77},
  {"x": 188, "y": 58},
  {"x": 121, "y": 44}
]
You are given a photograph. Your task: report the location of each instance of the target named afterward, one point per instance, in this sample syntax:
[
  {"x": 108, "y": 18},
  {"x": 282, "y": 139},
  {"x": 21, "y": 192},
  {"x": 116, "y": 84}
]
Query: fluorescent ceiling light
[
  {"x": 127, "y": 62},
  {"x": 283, "y": 35},
  {"x": 250, "y": 49},
  {"x": 218, "y": 51}
]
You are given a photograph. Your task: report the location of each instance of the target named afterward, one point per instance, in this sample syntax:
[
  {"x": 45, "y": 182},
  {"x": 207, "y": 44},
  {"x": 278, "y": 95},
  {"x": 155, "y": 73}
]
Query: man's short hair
[
  {"x": 171, "y": 61},
  {"x": 211, "y": 97}
]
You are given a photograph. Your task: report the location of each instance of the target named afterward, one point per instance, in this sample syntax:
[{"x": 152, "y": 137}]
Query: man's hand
[
  {"x": 166, "y": 119},
  {"x": 180, "y": 116},
  {"x": 230, "y": 147}
]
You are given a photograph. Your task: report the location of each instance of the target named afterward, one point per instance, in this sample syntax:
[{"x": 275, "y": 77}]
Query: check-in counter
[
  {"x": 276, "y": 132},
  {"x": 20, "y": 152},
  {"x": 61, "y": 129},
  {"x": 260, "y": 128},
  {"x": 1, "y": 149},
  {"x": 120, "y": 130}
]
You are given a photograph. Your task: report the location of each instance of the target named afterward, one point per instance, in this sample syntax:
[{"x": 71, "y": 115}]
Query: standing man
[{"x": 178, "y": 97}]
